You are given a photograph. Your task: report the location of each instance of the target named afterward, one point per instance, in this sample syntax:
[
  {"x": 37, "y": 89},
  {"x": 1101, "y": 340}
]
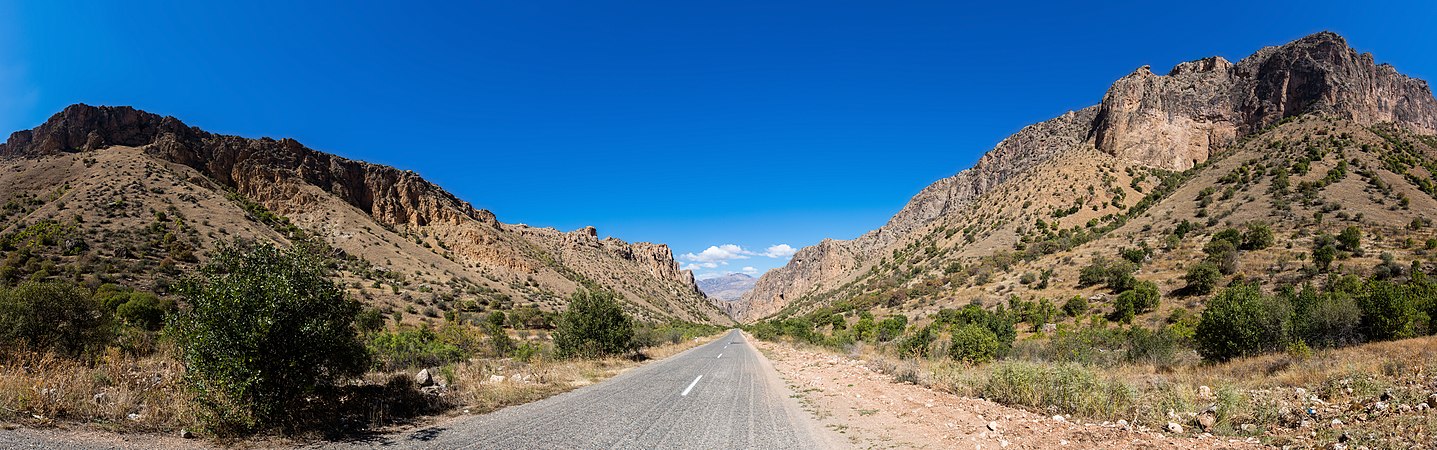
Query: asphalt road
[{"x": 721, "y": 395}]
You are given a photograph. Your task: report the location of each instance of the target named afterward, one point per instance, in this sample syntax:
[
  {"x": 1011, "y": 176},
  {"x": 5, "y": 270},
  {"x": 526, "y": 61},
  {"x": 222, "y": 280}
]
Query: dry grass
[
  {"x": 1266, "y": 396},
  {"x": 118, "y": 391},
  {"x": 40, "y": 390}
]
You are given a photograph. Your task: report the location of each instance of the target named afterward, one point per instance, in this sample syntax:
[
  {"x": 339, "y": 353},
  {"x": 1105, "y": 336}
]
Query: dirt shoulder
[{"x": 870, "y": 410}]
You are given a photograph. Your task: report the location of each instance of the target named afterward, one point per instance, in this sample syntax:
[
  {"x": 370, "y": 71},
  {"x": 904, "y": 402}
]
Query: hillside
[
  {"x": 1307, "y": 138},
  {"x": 117, "y": 195}
]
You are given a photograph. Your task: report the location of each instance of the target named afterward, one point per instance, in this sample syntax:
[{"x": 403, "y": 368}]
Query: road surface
[{"x": 722, "y": 395}]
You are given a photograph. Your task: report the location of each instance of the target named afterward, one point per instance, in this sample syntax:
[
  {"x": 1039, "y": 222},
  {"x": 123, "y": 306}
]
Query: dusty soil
[{"x": 872, "y": 411}]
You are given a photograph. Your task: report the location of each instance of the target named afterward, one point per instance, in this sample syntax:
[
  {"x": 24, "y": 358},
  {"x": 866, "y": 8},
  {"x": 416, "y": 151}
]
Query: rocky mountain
[
  {"x": 147, "y": 194},
  {"x": 728, "y": 287},
  {"x": 1149, "y": 133}
]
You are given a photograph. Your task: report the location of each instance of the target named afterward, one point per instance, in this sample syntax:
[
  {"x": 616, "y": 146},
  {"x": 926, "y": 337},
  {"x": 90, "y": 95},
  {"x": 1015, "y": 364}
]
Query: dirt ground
[{"x": 871, "y": 410}]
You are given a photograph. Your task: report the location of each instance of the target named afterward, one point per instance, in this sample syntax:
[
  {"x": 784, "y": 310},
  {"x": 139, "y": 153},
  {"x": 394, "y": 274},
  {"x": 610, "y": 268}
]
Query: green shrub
[
  {"x": 145, "y": 310},
  {"x": 1076, "y": 306},
  {"x": 1389, "y": 311},
  {"x": 1202, "y": 278},
  {"x": 1142, "y": 298},
  {"x": 1115, "y": 275},
  {"x": 890, "y": 328},
  {"x": 369, "y": 320},
  {"x": 1001, "y": 325},
  {"x": 915, "y": 343},
  {"x": 594, "y": 325},
  {"x": 865, "y": 329},
  {"x": 1258, "y": 236},
  {"x": 52, "y": 316},
  {"x": 1323, "y": 253},
  {"x": 975, "y": 344},
  {"x": 411, "y": 348},
  {"x": 1241, "y": 321},
  {"x": 1223, "y": 254},
  {"x": 1350, "y": 240},
  {"x": 1326, "y": 319},
  {"x": 265, "y": 329}
]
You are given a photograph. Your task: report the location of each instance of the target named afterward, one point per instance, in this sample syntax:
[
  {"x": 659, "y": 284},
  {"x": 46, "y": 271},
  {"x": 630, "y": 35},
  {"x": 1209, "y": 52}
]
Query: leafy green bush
[
  {"x": 369, "y": 320},
  {"x": 411, "y": 348},
  {"x": 145, "y": 310},
  {"x": 1142, "y": 298},
  {"x": 594, "y": 325},
  {"x": 52, "y": 316},
  {"x": 266, "y": 328},
  {"x": 1389, "y": 311},
  {"x": 1117, "y": 276},
  {"x": 1223, "y": 254},
  {"x": 890, "y": 328},
  {"x": 1323, "y": 319},
  {"x": 1076, "y": 306},
  {"x": 1350, "y": 240},
  {"x": 1258, "y": 236},
  {"x": 1202, "y": 278},
  {"x": 915, "y": 343},
  {"x": 1324, "y": 252},
  {"x": 1241, "y": 321},
  {"x": 1001, "y": 325},
  {"x": 975, "y": 344}
]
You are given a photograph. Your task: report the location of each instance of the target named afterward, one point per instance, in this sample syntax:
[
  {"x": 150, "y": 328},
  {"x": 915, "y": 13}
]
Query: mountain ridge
[
  {"x": 333, "y": 197},
  {"x": 1170, "y": 122}
]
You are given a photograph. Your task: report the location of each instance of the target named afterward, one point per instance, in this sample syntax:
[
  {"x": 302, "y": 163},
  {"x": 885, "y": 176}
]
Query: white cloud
[
  {"x": 780, "y": 251},
  {"x": 697, "y": 266},
  {"x": 718, "y": 254}
]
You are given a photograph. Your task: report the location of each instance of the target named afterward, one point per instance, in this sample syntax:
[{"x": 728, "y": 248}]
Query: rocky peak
[
  {"x": 1177, "y": 120},
  {"x": 263, "y": 169}
]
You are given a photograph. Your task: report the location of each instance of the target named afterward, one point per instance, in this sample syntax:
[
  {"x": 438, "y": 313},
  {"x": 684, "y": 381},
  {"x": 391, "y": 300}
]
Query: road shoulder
[{"x": 868, "y": 409}]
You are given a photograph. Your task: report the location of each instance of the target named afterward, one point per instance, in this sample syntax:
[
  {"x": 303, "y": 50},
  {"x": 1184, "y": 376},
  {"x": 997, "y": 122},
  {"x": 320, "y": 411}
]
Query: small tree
[
  {"x": 1076, "y": 306},
  {"x": 594, "y": 325},
  {"x": 1323, "y": 254},
  {"x": 1202, "y": 278},
  {"x": 1259, "y": 236},
  {"x": 1241, "y": 322},
  {"x": 974, "y": 343},
  {"x": 1142, "y": 298},
  {"x": 1350, "y": 240},
  {"x": 265, "y": 329},
  {"x": 55, "y": 316}
]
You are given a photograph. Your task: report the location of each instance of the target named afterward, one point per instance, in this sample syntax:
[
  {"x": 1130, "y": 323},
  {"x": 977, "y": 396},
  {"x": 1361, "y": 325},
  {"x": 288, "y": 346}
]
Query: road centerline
[{"x": 691, "y": 386}]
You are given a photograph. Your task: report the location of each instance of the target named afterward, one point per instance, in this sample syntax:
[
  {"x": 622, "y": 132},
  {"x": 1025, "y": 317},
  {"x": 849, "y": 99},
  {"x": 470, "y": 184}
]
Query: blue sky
[{"x": 697, "y": 124}]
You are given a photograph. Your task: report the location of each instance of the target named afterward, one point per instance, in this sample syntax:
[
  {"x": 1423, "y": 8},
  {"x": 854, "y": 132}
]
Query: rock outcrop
[
  {"x": 1175, "y": 121},
  {"x": 1172, "y": 121}
]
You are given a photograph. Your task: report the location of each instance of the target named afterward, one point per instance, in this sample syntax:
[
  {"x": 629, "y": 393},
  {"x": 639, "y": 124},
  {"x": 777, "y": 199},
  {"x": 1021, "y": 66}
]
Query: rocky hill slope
[
  {"x": 132, "y": 197},
  {"x": 1073, "y": 175}
]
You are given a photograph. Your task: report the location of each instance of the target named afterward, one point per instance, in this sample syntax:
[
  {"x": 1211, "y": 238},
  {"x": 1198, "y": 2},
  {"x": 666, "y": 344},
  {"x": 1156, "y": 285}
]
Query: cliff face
[
  {"x": 831, "y": 262},
  {"x": 1176, "y": 121},
  {"x": 293, "y": 180},
  {"x": 1173, "y": 121}
]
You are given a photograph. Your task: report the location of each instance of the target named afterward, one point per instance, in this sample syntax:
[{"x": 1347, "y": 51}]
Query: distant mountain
[
  {"x": 728, "y": 287},
  {"x": 128, "y": 197}
]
